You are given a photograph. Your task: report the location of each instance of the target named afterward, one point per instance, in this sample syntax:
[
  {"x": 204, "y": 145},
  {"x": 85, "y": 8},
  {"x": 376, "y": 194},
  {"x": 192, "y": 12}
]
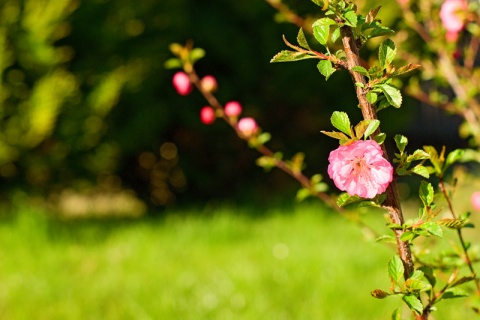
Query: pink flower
[
  {"x": 233, "y": 109},
  {"x": 182, "y": 84},
  {"x": 475, "y": 200},
  {"x": 451, "y": 16},
  {"x": 247, "y": 127},
  {"x": 207, "y": 115},
  {"x": 360, "y": 169},
  {"x": 209, "y": 83}
]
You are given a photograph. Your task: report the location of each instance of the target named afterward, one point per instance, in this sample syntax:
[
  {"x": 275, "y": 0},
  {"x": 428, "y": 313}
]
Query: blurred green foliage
[{"x": 84, "y": 97}]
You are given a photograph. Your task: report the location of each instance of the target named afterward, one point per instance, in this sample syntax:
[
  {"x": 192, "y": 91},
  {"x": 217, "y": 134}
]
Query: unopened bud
[
  {"x": 207, "y": 115},
  {"x": 182, "y": 84},
  {"x": 247, "y": 127},
  {"x": 209, "y": 83},
  {"x": 233, "y": 109}
]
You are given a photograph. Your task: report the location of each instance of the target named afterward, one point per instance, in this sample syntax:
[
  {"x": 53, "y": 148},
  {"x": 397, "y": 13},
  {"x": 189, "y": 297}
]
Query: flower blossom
[
  {"x": 182, "y": 84},
  {"x": 207, "y": 115},
  {"x": 475, "y": 200},
  {"x": 233, "y": 109},
  {"x": 247, "y": 127},
  {"x": 452, "y": 18},
  {"x": 360, "y": 169}
]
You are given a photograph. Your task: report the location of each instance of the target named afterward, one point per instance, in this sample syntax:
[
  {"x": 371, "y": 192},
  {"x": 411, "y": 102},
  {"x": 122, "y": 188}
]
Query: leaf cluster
[{"x": 349, "y": 134}]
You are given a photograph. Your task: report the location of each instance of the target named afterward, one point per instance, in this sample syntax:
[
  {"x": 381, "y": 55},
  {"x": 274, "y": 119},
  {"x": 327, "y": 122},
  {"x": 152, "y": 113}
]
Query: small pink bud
[
  {"x": 209, "y": 83},
  {"x": 233, "y": 109},
  {"x": 207, "y": 115},
  {"x": 475, "y": 200},
  {"x": 182, "y": 84},
  {"x": 247, "y": 127}
]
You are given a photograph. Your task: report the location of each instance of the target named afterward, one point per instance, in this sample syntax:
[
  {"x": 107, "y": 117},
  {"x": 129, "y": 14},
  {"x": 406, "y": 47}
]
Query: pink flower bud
[
  {"x": 247, "y": 127},
  {"x": 452, "y": 18},
  {"x": 182, "y": 84},
  {"x": 360, "y": 169},
  {"x": 207, "y": 115},
  {"x": 233, "y": 109},
  {"x": 475, "y": 200},
  {"x": 209, "y": 83}
]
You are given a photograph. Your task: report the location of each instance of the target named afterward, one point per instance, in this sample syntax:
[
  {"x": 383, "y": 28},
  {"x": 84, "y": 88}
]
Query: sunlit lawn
[{"x": 301, "y": 263}]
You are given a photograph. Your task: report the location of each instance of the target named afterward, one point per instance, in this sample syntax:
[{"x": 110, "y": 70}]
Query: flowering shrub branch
[{"x": 360, "y": 166}]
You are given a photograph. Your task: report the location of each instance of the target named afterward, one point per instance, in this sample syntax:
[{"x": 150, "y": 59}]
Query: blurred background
[{"x": 88, "y": 109}]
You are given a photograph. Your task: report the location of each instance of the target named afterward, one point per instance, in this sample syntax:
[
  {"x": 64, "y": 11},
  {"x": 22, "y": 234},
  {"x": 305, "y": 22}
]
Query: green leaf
[
  {"x": 452, "y": 293},
  {"x": 302, "y": 41},
  {"x": 462, "y": 281},
  {"x": 392, "y": 94},
  {"x": 428, "y": 273},
  {"x": 288, "y": 56},
  {"x": 417, "y": 285},
  {"x": 335, "y": 34},
  {"x": 413, "y": 303},
  {"x": 351, "y": 18},
  {"x": 372, "y": 126},
  {"x": 326, "y": 68},
  {"x": 302, "y": 194},
  {"x": 396, "y": 315},
  {"x": 426, "y": 193},
  {"x": 173, "y": 63},
  {"x": 408, "y": 236},
  {"x": 371, "y": 97},
  {"x": 263, "y": 138},
  {"x": 341, "y": 122},
  {"x": 318, "y": 2},
  {"x": 321, "y": 29},
  {"x": 395, "y": 268},
  {"x": 418, "y": 155},
  {"x": 361, "y": 70},
  {"x": 433, "y": 228},
  {"x": 196, "y": 54},
  {"x": 379, "y": 31},
  {"x": 421, "y": 171},
  {"x": 380, "y": 138},
  {"x": 335, "y": 135},
  {"x": 401, "y": 142},
  {"x": 453, "y": 157},
  {"x": 386, "y": 238},
  {"x": 386, "y": 53}
]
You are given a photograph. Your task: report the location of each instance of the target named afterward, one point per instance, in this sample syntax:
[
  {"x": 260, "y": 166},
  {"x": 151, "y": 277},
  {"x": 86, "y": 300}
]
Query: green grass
[{"x": 297, "y": 263}]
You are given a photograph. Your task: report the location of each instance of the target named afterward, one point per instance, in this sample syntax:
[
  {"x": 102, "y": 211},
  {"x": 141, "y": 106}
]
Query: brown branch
[{"x": 392, "y": 203}]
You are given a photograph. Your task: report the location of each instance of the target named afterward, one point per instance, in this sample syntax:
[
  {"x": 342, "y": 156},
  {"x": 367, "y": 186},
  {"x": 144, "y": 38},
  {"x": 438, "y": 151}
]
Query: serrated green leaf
[
  {"x": 395, "y": 268},
  {"x": 407, "y": 236},
  {"x": 418, "y": 155},
  {"x": 426, "y": 193},
  {"x": 386, "y": 53},
  {"x": 341, "y": 121},
  {"x": 413, "y": 303},
  {"x": 417, "y": 285},
  {"x": 421, "y": 171},
  {"x": 288, "y": 56},
  {"x": 386, "y": 238},
  {"x": 335, "y": 135},
  {"x": 361, "y": 70},
  {"x": 392, "y": 94},
  {"x": 321, "y": 29},
  {"x": 302, "y": 41},
  {"x": 360, "y": 128},
  {"x": 433, "y": 228},
  {"x": 326, "y": 68},
  {"x": 401, "y": 142},
  {"x": 351, "y": 18}
]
